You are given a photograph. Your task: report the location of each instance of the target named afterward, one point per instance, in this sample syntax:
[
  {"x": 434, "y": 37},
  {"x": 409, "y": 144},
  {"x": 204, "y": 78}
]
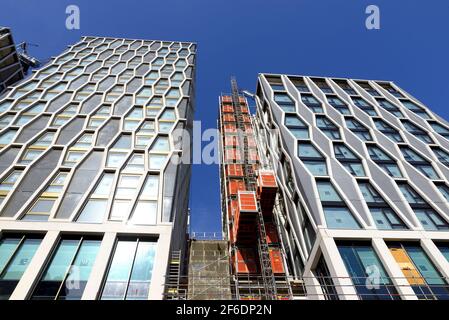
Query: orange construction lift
[{"x": 248, "y": 198}]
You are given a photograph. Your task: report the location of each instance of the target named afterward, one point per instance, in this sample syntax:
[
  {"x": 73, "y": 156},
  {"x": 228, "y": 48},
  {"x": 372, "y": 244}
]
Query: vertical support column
[
  {"x": 159, "y": 274},
  {"x": 93, "y": 286},
  {"x": 342, "y": 281},
  {"x": 313, "y": 287},
  {"x": 397, "y": 277},
  {"x": 31, "y": 274}
]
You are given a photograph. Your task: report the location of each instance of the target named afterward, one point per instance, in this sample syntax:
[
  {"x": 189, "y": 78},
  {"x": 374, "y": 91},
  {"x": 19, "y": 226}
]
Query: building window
[
  {"x": 335, "y": 210},
  {"x": 384, "y": 161},
  {"x": 384, "y": 217},
  {"x": 413, "y": 107},
  {"x": 284, "y": 102},
  {"x": 95, "y": 208},
  {"x": 440, "y": 129},
  {"x": 161, "y": 144},
  {"x": 130, "y": 270},
  {"x": 416, "y": 131},
  {"x": 119, "y": 151},
  {"x": 145, "y": 134},
  {"x": 312, "y": 159},
  {"x": 300, "y": 84},
  {"x": 328, "y": 128},
  {"x": 444, "y": 248},
  {"x": 391, "y": 89},
  {"x": 367, "y": 87},
  {"x": 346, "y": 87},
  {"x": 419, "y": 271},
  {"x": 442, "y": 155},
  {"x": 312, "y": 103},
  {"x": 325, "y": 279},
  {"x": 444, "y": 189},
  {"x": 145, "y": 211},
  {"x": 124, "y": 194},
  {"x": 361, "y": 262},
  {"x": 43, "y": 206},
  {"x": 133, "y": 119},
  {"x": 349, "y": 160},
  {"x": 322, "y": 84},
  {"x": 419, "y": 162},
  {"x": 78, "y": 149},
  {"x": 275, "y": 83},
  {"x": 358, "y": 129},
  {"x": 364, "y": 106},
  {"x": 157, "y": 161},
  {"x": 68, "y": 271},
  {"x": 338, "y": 104},
  {"x": 387, "y": 105},
  {"x": 16, "y": 253},
  {"x": 9, "y": 182},
  {"x": 388, "y": 130},
  {"x": 297, "y": 127},
  {"x": 429, "y": 218}
]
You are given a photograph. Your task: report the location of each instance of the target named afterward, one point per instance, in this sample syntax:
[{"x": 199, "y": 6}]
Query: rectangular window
[
  {"x": 413, "y": 107},
  {"x": 349, "y": 160},
  {"x": 312, "y": 103},
  {"x": 419, "y": 271},
  {"x": 358, "y": 129},
  {"x": 312, "y": 159},
  {"x": 336, "y": 213},
  {"x": 387, "y": 163},
  {"x": 297, "y": 127},
  {"x": 284, "y": 101},
  {"x": 417, "y": 131},
  {"x": 361, "y": 263},
  {"x": 364, "y": 106},
  {"x": 16, "y": 253},
  {"x": 339, "y": 218},
  {"x": 68, "y": 271},
  {"x": 130, "y": 270}
]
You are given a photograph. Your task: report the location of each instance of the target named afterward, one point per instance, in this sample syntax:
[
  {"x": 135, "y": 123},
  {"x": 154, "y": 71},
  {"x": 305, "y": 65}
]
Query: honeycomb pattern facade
[{"x": 87, "y": 144}]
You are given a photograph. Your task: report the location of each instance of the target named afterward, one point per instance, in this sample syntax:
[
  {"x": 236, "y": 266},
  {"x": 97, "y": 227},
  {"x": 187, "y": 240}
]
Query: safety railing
[
  {"x": 206, "y": 235},
  {"x": 314, "y": 288}
]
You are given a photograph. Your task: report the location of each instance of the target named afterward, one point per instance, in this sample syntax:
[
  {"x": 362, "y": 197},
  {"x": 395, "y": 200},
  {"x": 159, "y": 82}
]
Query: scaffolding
[{"x": 252, "y": 257}]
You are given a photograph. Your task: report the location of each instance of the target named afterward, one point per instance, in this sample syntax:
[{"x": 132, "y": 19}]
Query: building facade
[
  {"x": 93, "y": 197},
  {"x": 11, "y": 70},
  {"x": 362, "y": 169}
]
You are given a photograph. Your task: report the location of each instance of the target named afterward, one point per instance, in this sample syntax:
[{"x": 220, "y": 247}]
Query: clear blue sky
[{"x": 246, "y": 37}]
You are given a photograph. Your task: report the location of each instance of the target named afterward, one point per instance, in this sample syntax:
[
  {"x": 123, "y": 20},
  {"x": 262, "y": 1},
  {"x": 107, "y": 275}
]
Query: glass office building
[
  {"x": 363, "y": 172},
  {"x": 93, "y": 196}
]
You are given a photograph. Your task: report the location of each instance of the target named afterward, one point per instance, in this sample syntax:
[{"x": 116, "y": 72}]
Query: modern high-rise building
[
  {"x": 362, "y": 170},
  {"x": 93, "y": 197},
  {"x": 11, "y": 70}
]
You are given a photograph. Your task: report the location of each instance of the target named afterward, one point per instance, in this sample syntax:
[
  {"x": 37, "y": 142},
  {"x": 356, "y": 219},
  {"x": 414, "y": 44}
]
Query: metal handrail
[{"x": 388, "y": 289}]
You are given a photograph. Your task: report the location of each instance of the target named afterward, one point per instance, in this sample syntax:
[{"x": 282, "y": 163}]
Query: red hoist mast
[{"x": 249, "y": 195}]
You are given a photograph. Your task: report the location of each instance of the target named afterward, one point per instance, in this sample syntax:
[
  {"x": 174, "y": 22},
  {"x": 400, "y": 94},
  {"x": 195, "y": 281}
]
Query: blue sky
[{"x": 246, "y": 37}]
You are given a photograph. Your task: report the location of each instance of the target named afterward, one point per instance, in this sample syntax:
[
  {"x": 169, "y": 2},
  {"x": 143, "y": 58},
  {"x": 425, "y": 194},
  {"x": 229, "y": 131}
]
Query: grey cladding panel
[
  {"x": 33, "y": 129},
  {"x": 91, "y": 103},
  {"x": 38, "y": 173},
  {"x": 7, "y": 158},
  {"x": 108, "y": 132},
  {"x": 79, "y": 184},
  {"x": 70, "y": 131},
  {"x": 60, "y": 101}
]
